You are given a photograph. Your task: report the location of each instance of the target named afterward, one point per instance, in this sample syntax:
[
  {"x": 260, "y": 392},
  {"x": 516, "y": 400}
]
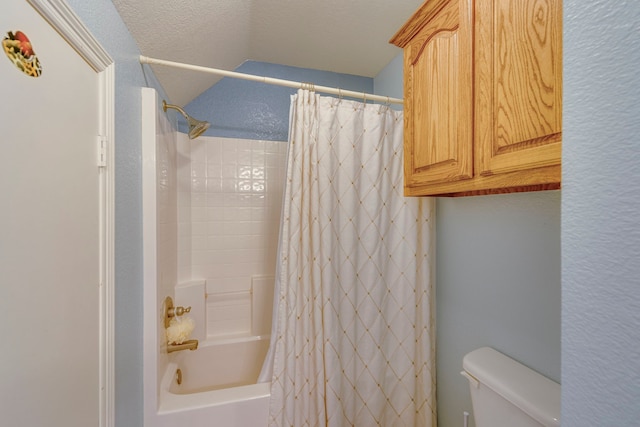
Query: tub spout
[{"x": 187, "y": 345}]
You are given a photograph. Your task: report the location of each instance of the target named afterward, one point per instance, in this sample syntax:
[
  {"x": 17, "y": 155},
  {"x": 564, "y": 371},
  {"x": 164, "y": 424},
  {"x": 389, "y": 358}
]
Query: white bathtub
[{"x": 218, "y": 385}]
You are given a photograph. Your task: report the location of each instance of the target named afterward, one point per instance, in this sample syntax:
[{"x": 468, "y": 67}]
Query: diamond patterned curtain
[{"x": 353, "y": 338}]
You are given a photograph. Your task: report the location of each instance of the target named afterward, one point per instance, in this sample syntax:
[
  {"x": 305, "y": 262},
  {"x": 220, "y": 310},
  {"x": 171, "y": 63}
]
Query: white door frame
[{"x": 64, "y": 20}]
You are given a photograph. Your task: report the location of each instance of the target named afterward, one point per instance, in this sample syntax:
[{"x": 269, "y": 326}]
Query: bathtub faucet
[
  {"x": 187, "y": 345},
  {"x": 170, "y": 312}
]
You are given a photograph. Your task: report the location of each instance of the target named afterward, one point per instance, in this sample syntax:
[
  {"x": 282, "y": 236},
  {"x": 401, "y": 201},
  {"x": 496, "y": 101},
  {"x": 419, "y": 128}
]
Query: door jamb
[{"x": 64, "y": 20}]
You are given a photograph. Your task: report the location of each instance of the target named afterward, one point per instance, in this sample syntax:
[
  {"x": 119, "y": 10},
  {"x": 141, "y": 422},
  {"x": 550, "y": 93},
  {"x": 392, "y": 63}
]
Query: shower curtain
[{"x": 353, "y": 335}]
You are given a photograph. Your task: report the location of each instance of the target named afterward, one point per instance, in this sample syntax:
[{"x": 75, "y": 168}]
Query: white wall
[
  {"x": 166, "y": 206},
  {"x": 183, "y": 173},
  {"x": 235, "y": 192},
  {"x": 159, "y": 206}
]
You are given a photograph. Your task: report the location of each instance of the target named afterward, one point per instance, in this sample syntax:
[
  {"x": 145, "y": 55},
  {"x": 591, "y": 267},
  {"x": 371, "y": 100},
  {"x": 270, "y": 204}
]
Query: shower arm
[{"x": 165, "y": 106}]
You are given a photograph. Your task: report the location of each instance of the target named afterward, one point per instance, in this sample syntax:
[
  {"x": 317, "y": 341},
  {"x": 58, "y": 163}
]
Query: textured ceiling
[{"x": 344, "y": 36}]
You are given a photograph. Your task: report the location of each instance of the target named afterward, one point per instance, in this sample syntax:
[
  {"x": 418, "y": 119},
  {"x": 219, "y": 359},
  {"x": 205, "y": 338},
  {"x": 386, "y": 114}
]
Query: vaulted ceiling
[{"x": 344, "y": 36}]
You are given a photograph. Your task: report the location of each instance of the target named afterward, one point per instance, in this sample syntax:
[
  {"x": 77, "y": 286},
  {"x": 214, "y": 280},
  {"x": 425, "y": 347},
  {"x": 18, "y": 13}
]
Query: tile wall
[
  {"x": 229, "y": 203},
  {"x": 183, "y": 164}
]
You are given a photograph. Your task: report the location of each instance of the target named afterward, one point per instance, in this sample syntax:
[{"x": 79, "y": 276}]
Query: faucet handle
[
  {"x": 170, "y": 311},
  {"x": 179, "y": 311}
]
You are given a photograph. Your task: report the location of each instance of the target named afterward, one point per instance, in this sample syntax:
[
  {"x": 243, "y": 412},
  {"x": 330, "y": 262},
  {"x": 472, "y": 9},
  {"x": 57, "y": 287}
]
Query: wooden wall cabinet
[{"x": 483, "y": 97}]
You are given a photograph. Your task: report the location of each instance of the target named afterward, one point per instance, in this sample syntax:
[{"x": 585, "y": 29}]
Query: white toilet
[{"x": 505, "y": 393}]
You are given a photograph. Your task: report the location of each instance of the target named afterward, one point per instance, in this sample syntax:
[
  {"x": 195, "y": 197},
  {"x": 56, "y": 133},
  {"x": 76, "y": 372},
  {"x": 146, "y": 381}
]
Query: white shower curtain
[{"x": 353, "y": 336}]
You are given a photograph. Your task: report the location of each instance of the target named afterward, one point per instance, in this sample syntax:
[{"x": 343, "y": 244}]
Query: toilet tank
[{"x": 505, "y": 393}]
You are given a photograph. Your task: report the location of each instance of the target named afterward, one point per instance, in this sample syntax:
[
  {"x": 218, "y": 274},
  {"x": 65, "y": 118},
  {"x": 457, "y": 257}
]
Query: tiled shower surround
[{"x": 229, "y": 204}]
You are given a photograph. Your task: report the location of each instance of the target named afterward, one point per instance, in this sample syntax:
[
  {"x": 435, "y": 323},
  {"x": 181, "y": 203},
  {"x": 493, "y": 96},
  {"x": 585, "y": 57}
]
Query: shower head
[{"x": 196, "y": 127}]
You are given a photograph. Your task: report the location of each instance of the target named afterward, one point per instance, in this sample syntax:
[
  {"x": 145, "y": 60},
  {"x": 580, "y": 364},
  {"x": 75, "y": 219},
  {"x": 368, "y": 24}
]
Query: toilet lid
[{"x": 533, "y": 393}]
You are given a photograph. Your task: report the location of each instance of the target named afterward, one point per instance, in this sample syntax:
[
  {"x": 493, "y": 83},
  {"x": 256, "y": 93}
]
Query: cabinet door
[
  {"x": 438, "y": 98},
  {"x": 518, "y": 85}
]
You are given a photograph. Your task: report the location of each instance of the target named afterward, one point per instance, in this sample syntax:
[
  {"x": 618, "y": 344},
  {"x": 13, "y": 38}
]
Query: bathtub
[{"x": 218, "y": 385}]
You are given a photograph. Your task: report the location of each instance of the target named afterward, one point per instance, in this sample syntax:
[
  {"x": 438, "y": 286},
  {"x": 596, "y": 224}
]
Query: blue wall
[
  {"x": 244, "y": 109},
  {"x": 601, "y": 214},
  {"x": 389, "y": 80},
  {"x": 497, "y": 280},
  {"x": 498, "y": 284}
]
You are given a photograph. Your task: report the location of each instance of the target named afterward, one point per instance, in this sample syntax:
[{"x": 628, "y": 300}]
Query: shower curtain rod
[{"x": 273, "y": 81}]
